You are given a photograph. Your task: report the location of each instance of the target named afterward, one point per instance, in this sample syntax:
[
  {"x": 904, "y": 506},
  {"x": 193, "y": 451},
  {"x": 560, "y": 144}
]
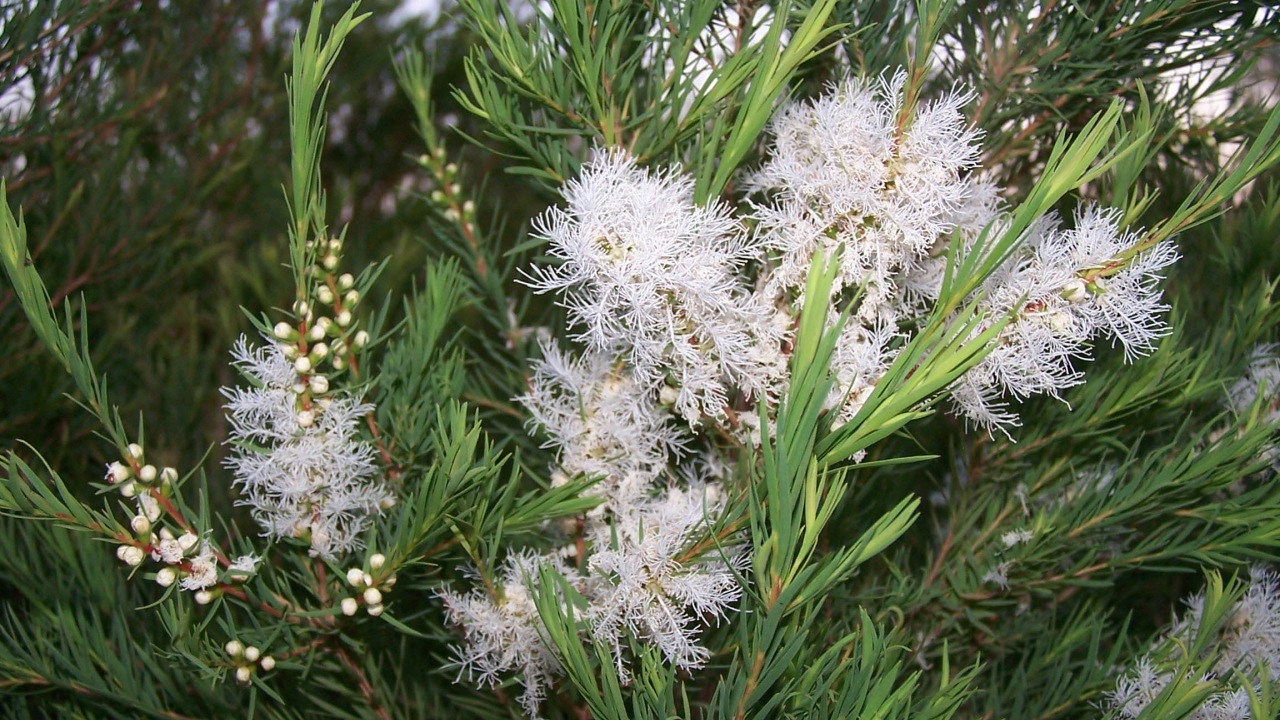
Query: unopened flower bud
[
  {"x": 290, "y": 351},
  {"x": 267, "y": 663},
  {"x": 319, "y": 384},
  {"x": 150, "y": 507},
  {"x": 1075, "y": 291},
  {"x": 667, "y": 395},
  {"x": 301, "y": 308},
  {"x": 168, "y": 476},
  {"x": 360, "y": 340},
  {"x": 203, "y": 597},
  {"x": 140, "y": 524},
  {"x": 244, "y": 673},
  {"x": 437, "y": 197},
  {"x": 455, "y": 189},
  {"x": 377, "y": 560},
  {"x": 302, "y": 365},
  {"x": 315, "y": 333},
  {"x": 355, "y": 577},
  {"x": 375, "y": 610},
  {"x": 390, "y": 582},
  {"x": 135, "y": 451},
  {"x": 335, "y": 245},
  {"x": 131, "y": 555},
  {"x": 343, "y": 319},
  {"x": 339, "y": 363},
  {"x": 187, "y": 542},
  {"x": 319, "y": 351},
  {"x": 306, "y": 418},
  {"x": 349, "y": 606},
  {"x": 283, "y": 330},
  {"x": 148, "y": 474},
  {"x": 325, "y": 295},
  {"x": 367, "y": 579},
  {"x": 387, "y": 502},
  {"x": 373, "y": 596},
  {"x": 346, "y": 281},
  {"x": 468, "y": 207},
  {"x": 330, "y": 261},
  {"x": 129, "y": 489},
  {"x": 166, "y": 576},
  {"x": 351, "y": 298},
  {"x": 252, "y": 654},
  {"x": 234, "y": 648}
]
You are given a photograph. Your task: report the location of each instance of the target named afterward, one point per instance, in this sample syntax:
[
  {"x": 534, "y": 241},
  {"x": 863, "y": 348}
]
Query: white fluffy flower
[
  {"x": 998, "y": 574},
  {"x": 1251, "y": 637},
  {"x": 602, "y": 422},
  {"x": 849, "y": 175},
  {"x": 503, "y": 634},
  {"x": 1135, "y": 690},
  {"x": 1062, "y": 289},
  {"x": 1121, "y": 296},
  {"x": 1260, "y": 380},
  {"x": 1248, "y": 642},
  {"x": 203, "y": 570},
  {"x": 317, "y": 480},
  {"x": 645, "y": 580},
  {"x": 649, "y": 276},
  {"x": 862, "y": 355}
]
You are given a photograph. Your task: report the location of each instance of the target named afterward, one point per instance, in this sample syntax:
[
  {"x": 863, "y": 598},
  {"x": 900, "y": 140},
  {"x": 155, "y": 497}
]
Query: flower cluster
[
  {"x": 1259, "y": 383},
  {"x": 855, "y": 175},
  {"x": 186, "y": 558},
  {"x": 652, "y": 277},
  {"x": 685, "y": 314},
  {"x": 652, "y": 575},
  {"x": 1247, "y": 651},
  {"x": 247, "y": 659},
  {"x": 298, "y": 458},
  {"x": 502, "y": 631},
  {"x": 601, "y": 421},
  {"x": 1063, "y": 288},
  {"x": 370, "y": 584},
  {"x": 852, "y": 174},
  {"x": 646, "y": 576}
]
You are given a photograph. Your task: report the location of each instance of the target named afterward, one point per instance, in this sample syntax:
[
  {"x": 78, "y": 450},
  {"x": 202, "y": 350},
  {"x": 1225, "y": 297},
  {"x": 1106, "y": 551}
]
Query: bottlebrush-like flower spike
[
  {"x": 648, "y": 275},
  {"x": 1064, "y": 288},
  {"x": 305, "y": 473},
  {"x": 602, "y": 422},
  {"x": 640, "y": 581},
  {"x": 504, "y": 634},
  {"x": 844, "y": 178}
]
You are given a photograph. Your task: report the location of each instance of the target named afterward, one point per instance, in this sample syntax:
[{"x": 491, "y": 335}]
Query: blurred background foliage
[{"x": 147, "y": 144}]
